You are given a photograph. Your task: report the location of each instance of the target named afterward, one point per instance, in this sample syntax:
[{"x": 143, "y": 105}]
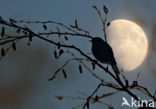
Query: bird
[{"x": 103, "y": 52}]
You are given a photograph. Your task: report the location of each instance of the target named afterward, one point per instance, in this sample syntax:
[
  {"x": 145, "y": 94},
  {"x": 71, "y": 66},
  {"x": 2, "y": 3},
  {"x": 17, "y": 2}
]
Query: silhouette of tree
[{"x": 103, "y": 54}]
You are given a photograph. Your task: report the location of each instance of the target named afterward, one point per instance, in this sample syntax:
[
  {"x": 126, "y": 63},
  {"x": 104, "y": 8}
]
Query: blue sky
[{"x": 39, "y": 93}]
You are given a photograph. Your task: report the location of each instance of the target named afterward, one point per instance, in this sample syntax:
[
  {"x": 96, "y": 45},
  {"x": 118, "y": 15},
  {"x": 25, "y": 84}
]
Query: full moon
[{"x": 129, "y": 43}]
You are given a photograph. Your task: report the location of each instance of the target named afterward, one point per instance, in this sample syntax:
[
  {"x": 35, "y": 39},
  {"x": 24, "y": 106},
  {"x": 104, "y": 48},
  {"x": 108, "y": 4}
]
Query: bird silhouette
[{"x": 103, "y": 52}]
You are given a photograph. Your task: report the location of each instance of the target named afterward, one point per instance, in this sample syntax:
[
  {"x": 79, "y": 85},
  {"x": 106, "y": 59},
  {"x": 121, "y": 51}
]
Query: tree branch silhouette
[{"x": 121, "y": 83}]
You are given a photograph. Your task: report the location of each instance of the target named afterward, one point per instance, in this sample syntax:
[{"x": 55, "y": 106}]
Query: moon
[{"x": 129, "y": 43}]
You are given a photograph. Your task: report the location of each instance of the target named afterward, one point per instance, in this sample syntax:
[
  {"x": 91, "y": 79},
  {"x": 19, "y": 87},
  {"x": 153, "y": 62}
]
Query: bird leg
[
  {"x": 116, "y": 70},
  {"x": 107, "y": 67}
]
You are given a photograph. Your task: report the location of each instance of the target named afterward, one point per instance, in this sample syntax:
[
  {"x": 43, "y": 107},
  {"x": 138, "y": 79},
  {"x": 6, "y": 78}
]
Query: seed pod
[
  {"x": 135, "y": 83},
  {"x": 93, "y": 66},
  {"x": 58, "y": 31},
  {"x": 30, "y": 38},
  {"x": 2, "y": 52},
  {"x": 80, "y": 69},
  {"x": 55, "y": 54},
  {"x": 64, "y": 74},
  {"x": 61, "y": 52},
  {"x": 66, "y": 38},
  {"x": 45, "y": 27},
  {"x": 3, "y": 32},
  {"x": 96, "y": 98},
  {"x": 76, "y": 25},
  {"x": 108, "y": 23},
  {"x": 14, "y": 46},
  {"x": 105, "y": 9},
  {"x": 58, "y": 45}
]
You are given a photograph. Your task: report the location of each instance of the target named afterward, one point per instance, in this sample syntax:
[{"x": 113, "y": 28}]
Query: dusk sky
[{"x": 24, "y": 74}]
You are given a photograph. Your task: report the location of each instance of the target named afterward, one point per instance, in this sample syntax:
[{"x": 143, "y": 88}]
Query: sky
[{"x": 24, "y": 74}]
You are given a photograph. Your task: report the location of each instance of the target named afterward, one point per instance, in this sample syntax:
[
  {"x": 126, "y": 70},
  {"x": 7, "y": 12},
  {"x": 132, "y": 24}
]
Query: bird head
[{"x": 97, "y": 40}]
